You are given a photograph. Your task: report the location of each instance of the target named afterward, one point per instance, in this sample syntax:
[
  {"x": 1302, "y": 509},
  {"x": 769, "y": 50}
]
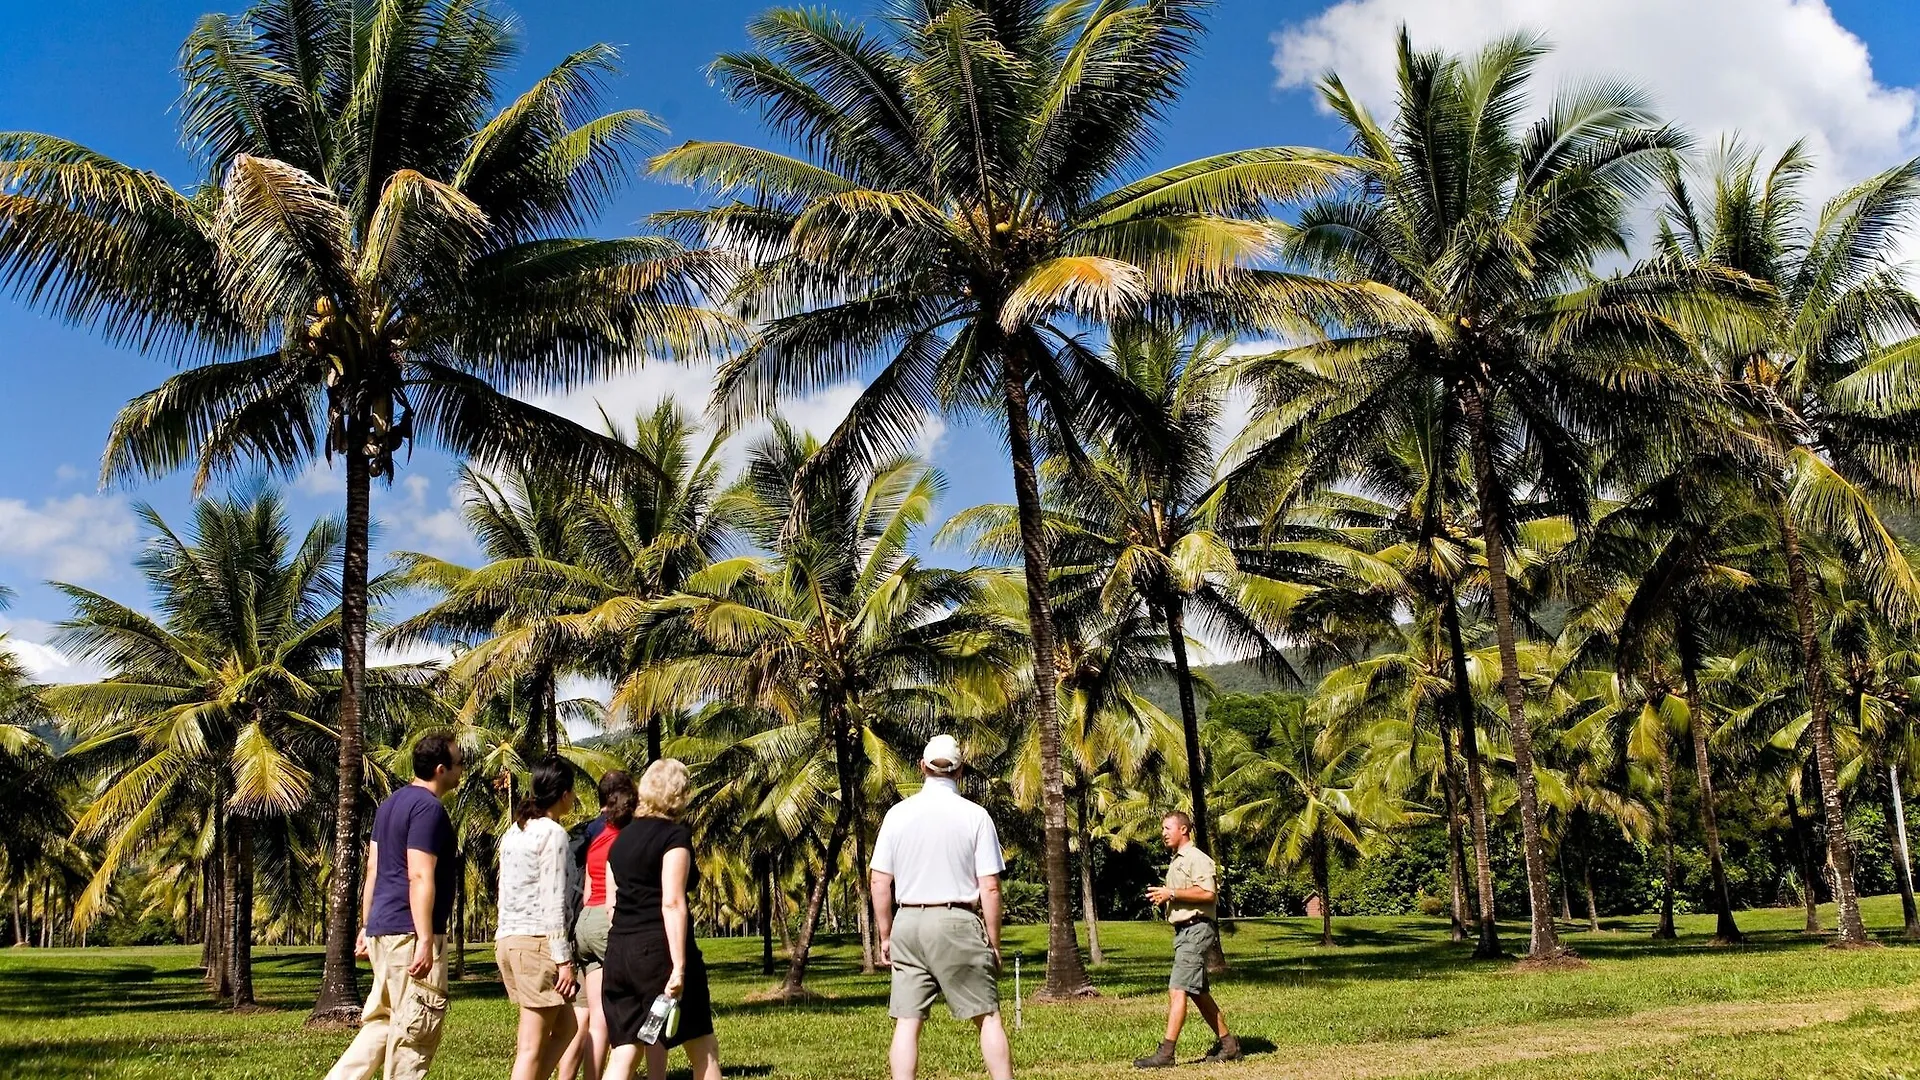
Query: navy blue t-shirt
[{"x": 411, "y": 818}]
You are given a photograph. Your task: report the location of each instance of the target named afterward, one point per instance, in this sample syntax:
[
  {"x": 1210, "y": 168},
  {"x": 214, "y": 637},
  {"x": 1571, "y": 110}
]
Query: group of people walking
[{"x": 595, "y": 927}]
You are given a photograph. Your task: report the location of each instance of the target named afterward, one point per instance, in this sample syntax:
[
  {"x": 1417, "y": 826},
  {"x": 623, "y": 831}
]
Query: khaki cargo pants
[{"x": 400, "y": 1027}]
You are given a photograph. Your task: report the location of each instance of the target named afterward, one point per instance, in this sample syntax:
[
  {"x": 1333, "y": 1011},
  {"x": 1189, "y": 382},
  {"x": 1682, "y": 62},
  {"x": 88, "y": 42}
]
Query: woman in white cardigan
[{"x": 532, "y": 948}]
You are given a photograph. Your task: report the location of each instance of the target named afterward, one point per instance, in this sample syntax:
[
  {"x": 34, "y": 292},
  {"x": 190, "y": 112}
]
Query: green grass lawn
[{"x": 1394, "y": 1000}]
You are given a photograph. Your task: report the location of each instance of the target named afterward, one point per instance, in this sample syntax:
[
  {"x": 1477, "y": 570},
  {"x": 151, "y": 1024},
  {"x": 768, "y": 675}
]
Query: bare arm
[
  {"x": 366, "y": 897},
  {"x": 881, "y": 884},
  {"x": 990, "y": 911},
  {"x": 420, "y": 868},
  {"x": 673, "y": 910},
  {"x": 1193, "y": 894}
]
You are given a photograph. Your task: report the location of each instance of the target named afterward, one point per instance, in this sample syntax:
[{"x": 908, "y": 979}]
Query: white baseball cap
[{"x": 942, "y": 748}]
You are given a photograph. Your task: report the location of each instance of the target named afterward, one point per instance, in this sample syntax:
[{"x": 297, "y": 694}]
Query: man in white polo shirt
[{"x": 938, "y": 857}]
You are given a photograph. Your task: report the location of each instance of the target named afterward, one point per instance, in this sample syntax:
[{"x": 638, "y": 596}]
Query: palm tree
[
  {"x": 35, "y": 818},
  {"x": 216, "y": 710},
  {"x": 1491, "y": 232},
  {"x": 1824, "y": 392},
  {"x": 962, "y": 200},
  {"x": 373, "y": 245},
  {"x": 1878, "y": 675},
  {"x": 839, "y": 633}
]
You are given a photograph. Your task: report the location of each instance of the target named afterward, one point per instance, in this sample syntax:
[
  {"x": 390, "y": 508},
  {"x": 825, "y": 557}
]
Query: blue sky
[{"x": 102, "y": 73}]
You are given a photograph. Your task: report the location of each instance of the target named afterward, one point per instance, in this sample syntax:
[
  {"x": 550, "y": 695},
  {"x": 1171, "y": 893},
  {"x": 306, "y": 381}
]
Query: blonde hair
[{"x": 665, "y": 790}]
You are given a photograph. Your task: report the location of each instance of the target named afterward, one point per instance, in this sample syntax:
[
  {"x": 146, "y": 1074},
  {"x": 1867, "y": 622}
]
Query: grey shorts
[
  {"x": 944, "y": 952},
  {"x": 1191, "y": 941},
  {"x": 590, "y": 936}
]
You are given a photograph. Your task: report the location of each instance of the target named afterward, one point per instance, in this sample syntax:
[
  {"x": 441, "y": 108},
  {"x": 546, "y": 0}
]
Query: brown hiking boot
[
  {"x": 1225, "y": 1048},
  {"x": 1159, "y": 1059}
]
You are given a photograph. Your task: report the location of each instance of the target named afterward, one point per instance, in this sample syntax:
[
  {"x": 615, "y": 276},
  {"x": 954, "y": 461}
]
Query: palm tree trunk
[
  {"x": 795, "y": 983},
  {"x": 459, "y": 915},
  {"x": 1902, "y": 866},
  {"x": 550, "y": 710},
  {"x": 1546, "y": 940},
  {"x": 339, "y": 998},
  {"x": 1189, "y": 723},
  {"x": 1566, "y": 894},
  {"x": 763, "y": 870},
  {"x": 219, "y": 913},
  {"x": 1487, "y": 946},
  {"x": 240, "y": 911},
  {"x": 1665, "y": 931},
  {"x": 1725, "y": 930},
  {"x": 1322, "y": 880},
  {"x": 1853, "y": 931},
  {"x": 1456, "y": 853},
  {"x": 1586, "y": 875},
  {"x": 1089, "y": 910},
  {"x": 1803, "y": 847},
  {"x": 1066, "y": 974}
]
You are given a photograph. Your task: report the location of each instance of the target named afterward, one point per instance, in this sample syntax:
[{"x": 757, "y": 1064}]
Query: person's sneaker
[
  {"x": 1159, "y": 1059},
  {"x": 1225, "y": 1048}
]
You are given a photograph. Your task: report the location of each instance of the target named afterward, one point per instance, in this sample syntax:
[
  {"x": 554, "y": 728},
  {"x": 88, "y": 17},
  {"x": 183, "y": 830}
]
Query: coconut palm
[
  {"x": 34, "y": 813},
  {"x": 1879, "y": 671},
  {"x": 216, "y": 711},
  {"x": 963, "y": 200},
  {"x": 1825, "y": 392},
  {"x": 1492, "y": 232},
  {"x": 376, "y": 241},
  {"x": 838, "y": 632}
]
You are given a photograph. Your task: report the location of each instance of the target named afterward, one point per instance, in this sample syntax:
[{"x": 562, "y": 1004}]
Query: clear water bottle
[{"x": 663, "y": 1019}]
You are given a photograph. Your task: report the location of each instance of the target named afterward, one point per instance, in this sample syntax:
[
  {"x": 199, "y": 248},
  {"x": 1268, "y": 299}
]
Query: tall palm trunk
[
  {"x": 1566, "y": 891},
  {"x": 339, "y": 980},
  {"x": 1826, "y": 763},
  {"x": 1487, "y": 946},
  {"x": 1456, "y": 855},
  {"x": 219, "y": 941},
  {"x": 459, "y": 915},
  {"x": 795, "y": 983},
  {"x": 1089, "y": 910},
  {"x": 1902, "y": 866},
  {"x": 1066, "y": 974},
  {"x": 763, "y": 871},
  {"x": 1665, "y": 931},
  {"x": 1586, "y": 879},
  {"x": 1189, "y": 723},
  {"x": 1546, "y": 939},
  {"x": 1725, "y": 930},
  {"x": 240, "y": 911},
  {"x": 1322, "y": 881},
  {"x": 1803, "y": 849}
]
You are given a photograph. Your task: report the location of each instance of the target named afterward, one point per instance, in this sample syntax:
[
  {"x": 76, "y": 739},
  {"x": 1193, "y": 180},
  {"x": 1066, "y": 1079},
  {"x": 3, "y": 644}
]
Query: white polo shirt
[{"x": 938, "y": 844}]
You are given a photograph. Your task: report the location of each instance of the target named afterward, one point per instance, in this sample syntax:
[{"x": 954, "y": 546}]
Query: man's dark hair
[
  {"x": 1181, "y": 817},
  {"x": 431, "y": 753}
]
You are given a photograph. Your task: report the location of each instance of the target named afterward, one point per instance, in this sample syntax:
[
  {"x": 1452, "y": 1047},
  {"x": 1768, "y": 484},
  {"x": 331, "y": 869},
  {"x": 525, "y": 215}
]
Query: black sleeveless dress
[{"x": 638, "y": 961}]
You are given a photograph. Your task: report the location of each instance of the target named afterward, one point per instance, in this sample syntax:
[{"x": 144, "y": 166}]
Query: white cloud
[
  {"x": 416, "y": 521},
  {"x": 26, "y": 638},
  {"x": 640, "y": 391},
  {"x": 76, "y": 538},
  {"x": 1772, "y": 70}
]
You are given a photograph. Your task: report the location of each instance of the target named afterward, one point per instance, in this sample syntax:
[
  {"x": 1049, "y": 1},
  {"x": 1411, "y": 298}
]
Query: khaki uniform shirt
[{"x": 1191, "y": 869}]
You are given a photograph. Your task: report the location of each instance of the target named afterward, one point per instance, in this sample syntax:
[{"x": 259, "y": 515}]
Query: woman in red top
[{"x": 589, "y": 1049}]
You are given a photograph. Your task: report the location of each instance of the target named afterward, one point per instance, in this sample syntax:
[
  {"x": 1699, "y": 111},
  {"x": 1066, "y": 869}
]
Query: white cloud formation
[
  {"x": 76, "y": 538},
  {"x": 1772, "y": 70},
  {"x": 26, "y": 638},
  {"x": 691, "y": 384},
  {"x": 414, "y": 520}
]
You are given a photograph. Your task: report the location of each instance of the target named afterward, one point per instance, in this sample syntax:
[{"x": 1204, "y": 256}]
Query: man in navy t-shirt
[{"x": 404, "y": 909}]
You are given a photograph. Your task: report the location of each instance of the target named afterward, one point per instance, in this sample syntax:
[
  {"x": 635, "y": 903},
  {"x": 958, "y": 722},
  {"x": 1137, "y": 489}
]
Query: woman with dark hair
[
  {"x": 594, "y": 893},
  {"x": 651, "y": 950},
  {"x": 532, "y": 948}
]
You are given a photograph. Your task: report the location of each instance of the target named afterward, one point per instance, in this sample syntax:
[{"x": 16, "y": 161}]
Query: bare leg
[
  {"x": 596, "y": 1025},
  {"x": 536, "y": 1028},
  {"x": 904, "y": 1056},
  {"x": 703, "y": 1054},
  {"x": 565, "y": 1025},
  {"x": 1176, "y": 1014},
  {"x": 620, "y": 1062},
  {"x": 656, "y": 1062},
  {"x": 1210, "y": 1012},
  {"x": 580, "y": 1050},
  {"x": 993, "y": 1047}
]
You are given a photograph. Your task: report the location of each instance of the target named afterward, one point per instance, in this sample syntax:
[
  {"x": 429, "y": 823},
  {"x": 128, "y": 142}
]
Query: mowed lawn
[{"x": 1396, "y": 999}]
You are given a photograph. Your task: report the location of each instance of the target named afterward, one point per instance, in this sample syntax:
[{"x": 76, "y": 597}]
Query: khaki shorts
[
  {"x": 1191, "y": 940},
  {"x": 590, "y": 937},
  {"x": 526, "y": 966},
  {"x": 942, "y": 951}
]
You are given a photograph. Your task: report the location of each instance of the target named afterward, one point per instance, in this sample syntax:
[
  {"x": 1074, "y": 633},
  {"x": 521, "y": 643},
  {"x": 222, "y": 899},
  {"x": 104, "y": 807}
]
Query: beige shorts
[
  {"x": 943, "y": 952},
  {"x": 527, "y": 968},
  {"x": 590, "y": 936}
]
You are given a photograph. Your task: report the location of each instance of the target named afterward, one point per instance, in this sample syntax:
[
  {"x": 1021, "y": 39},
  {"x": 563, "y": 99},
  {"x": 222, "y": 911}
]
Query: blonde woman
[{"x": 651, "y": 949}]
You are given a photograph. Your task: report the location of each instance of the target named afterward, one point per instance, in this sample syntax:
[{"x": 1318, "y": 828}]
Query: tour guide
[
  {"x": 939, "y": 856},
  {"x": 1189, "y": 895}
]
